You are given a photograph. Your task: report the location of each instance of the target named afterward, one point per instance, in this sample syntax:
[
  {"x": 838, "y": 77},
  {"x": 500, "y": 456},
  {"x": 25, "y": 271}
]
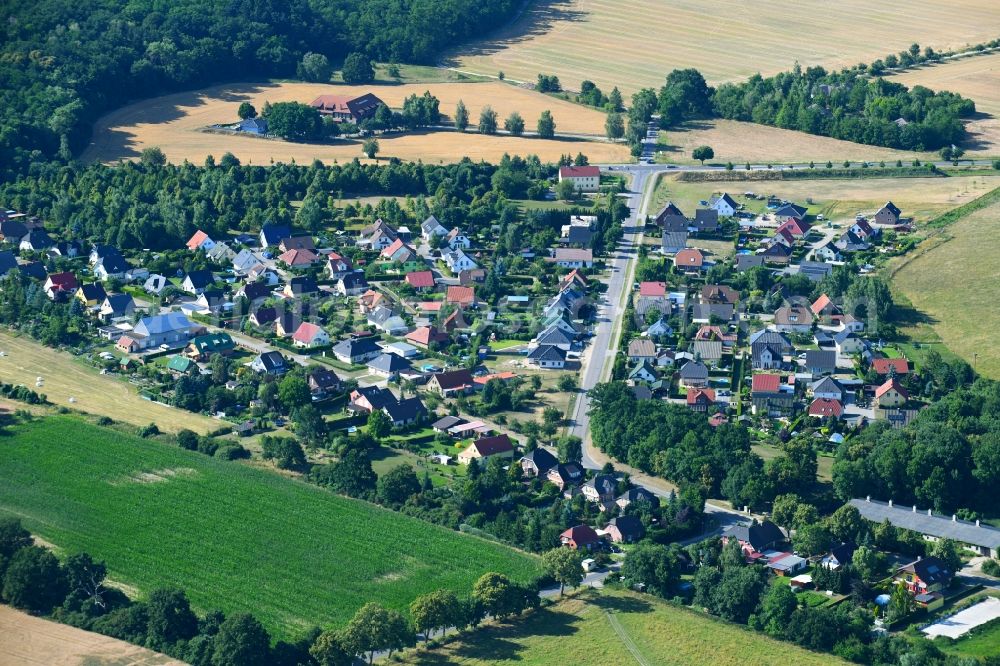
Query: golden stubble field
[
  {"x": 634, "y": 43},
  {"x": 65, "y": 377},
  {"x": 978, "y": 78},
  {"x": 29, "y": 641},
  {"x": 739, "y": 142},
  {"x": 174, "y": 123}
]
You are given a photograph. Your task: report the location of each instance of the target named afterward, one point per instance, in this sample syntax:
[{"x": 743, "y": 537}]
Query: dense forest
[
  {"x": 63, "y": 63},
  {"x": 846, "y": 105}
]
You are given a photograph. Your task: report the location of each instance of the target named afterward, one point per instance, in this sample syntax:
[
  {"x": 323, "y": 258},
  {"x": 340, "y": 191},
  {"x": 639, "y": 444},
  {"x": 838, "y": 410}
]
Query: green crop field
[
  {"x": 236, "y": 538},
  {"x": 615, "y": 627}
]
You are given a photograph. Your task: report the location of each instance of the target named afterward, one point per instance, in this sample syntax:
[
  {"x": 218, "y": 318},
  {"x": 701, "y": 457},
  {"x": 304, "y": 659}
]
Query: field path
[{"x": 626, "y": 639}]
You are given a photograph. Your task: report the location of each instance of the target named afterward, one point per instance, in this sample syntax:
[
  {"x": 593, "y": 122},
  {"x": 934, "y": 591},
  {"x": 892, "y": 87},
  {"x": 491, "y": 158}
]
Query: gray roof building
[{"x": 984, "y": 538}]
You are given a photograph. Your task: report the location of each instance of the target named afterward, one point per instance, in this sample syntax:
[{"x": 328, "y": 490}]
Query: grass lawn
[
  {"x": 500, "y": 345},
  {"x": 617, "y": 627},
  {"x": 981, "y": 642},
  {"x": 236, "y": 538},
  {"x": 951, "y": 281},
  {"x": 66, "y": 376}
]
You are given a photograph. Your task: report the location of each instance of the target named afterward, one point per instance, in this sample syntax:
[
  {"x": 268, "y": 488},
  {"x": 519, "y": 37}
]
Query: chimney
[{"x": 890, "y": 502}]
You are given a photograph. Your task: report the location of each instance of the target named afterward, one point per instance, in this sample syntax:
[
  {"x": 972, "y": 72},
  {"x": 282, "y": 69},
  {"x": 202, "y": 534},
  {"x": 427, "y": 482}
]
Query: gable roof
[
  {"x": 200, "y": 279},
  {"x": 899, "y": 365},
  {"x": 454, "y": 379},
  {"x": 391, "y": 363},
  {"x": 890, "y": 385},
  {"x": 579, "y": 172},
  {"x": 306, "y": 332},
  {"x": 824, "y": 407},
  {"x": 765, "y": 383},
  {"x": 758, "y": 535},
  {"x": 581, "y": 535},
  {"x": 420, "y": 279},
  {"x": 426, "y": 335},
  {"x": 542, "y": 459},
  {"x": 549, "y": 353},
  {"x": 490, "y": 446},
  {"x": 824, "y": 359},
  {"x": 461, "y": 295},
  {"x": 653, "y": 289},
  {"x": 407, "y": 409},
  {"x": 689, "y": 257},
  {"x": 696, "y": 396}
]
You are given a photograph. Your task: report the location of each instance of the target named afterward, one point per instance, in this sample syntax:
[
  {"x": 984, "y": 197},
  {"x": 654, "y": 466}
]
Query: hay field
[
  {"x": 634, "y": 43},
  {"x": 617, "y": 627},
  {"x": 953, "y": 279},
  {"x": 174, "y": 123},
  {"x": 65, "y": 376},
  {"x": 740, "y": 142},
  {"x": 977, "y": 78},
  {"x": 34, "y": 641}
]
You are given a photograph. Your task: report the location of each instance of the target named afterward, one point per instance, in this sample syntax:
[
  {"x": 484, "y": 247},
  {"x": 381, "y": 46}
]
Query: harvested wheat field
[
  {"x": 65, "y": 377},
  {"x": 27, "y": 640},
  {"x": 975, "y": 77},
  {"x": 738, "y": 142},
  {"x": 175, "y": 124},
  {"x": 634, "y": 43}
]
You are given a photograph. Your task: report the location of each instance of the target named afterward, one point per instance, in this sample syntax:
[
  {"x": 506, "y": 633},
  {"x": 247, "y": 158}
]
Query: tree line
[
  {"x": 63, "y": 64},
  {"x": 848, "y": 105}
]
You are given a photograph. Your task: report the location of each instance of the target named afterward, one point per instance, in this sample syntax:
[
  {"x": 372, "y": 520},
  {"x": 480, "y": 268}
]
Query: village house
[
  {"x": 672, "y": 242},
  {"x": 839, "y": 556},
  {"x": 600, "y": 489},
  {"x": 368, "y": 399},
  {"x": 625, "y": 529},
  {"x": 549, "y": 357},
  {"x": 581, "y": 537},
  {"x": 271, "y": 235},
  {"x": 637, "y": 494},
  {"x": 298, "y": 258},
  {"x": 455, "y": 239},
  {"x": 426, "y": 337},
  {"x": 706, "y": 220},
  {"x": 568, "y": 257},
  {"x": 693, "y": 374},
  {"x": 463, "y": 297},
  {"x": 821, "y": 362},
  {"x": 700, "y": 399},
  {"x": 827, "y": 388},
  {"x": 770, "y": 396},
  {"x": 430, "y": 228},
  {"x": 323, "y": 383},
  {"x": 689, "y": 260},
  {"x": 270, "y": 363},
  {"x": 200, "y": 241},
  {"x": 420, "y": 280},
  {"x": 171, "y": 329},
  {"x": 825, "y": 408},
  {"x": 487, "y": 447},
  {"x": 556, "y": 337},
  {"x": 754, "y": 538},
  {"x": 724, "y": 205},
  {"x": 793, "y": 318},
  {"x": 203, "y": 347},
  {"x": 777, "y": 253},
  {"x": 300, "y": 286},
  {"x": 198, "y": 281},
  {"x": 538, "y": 462},
  {"x": 565, "y": 475},
  {"x": 457, "y": 261},
  {"x": 389, "y": 366},
  {"x": 388, "y": 321},
  {"x": 643, "y": 372},
  {"x": 584, "y": 178},
  {"x": 352, "y": 284},
  {"x": 356, "y": 350},
  {"x": 890, "y": 394},
  {"x": 405, "y": 412},
  {"x": 116, "y": 307},
  {"x": 337, "y": 266},
  {"x": 347, "y": 108},
  {"x": 887, "y": 215},
  {"x": 59, "y": 286},
  {"x": 925, "y": 577},
  {"x": 309, "y": 335},
  {"x": 768, "y": 349},
  {"x": 451, "y": 383},
  {"x": 884, "y": 367},
  {"x": 641, "y": 349},
  {"x": 708, "y": 351}
]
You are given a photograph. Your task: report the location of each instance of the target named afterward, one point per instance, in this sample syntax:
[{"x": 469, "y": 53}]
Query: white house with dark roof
[{"x": 724, "y": 204}]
